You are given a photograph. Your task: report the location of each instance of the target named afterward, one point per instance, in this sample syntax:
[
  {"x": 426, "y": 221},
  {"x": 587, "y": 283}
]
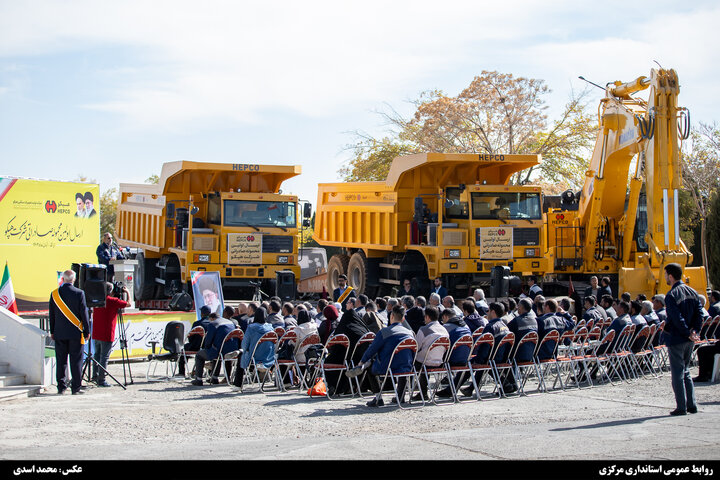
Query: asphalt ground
[{"x": 172, "y": 420}]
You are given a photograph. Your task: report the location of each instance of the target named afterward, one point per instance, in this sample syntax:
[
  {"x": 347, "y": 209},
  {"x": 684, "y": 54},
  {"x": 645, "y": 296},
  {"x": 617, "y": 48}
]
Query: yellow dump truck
[
  {"x": 214, "y": 217},
  {"x": 452, "y": 216}
]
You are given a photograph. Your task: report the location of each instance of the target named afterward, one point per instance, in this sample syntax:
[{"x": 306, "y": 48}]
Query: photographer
[{"x": 103, "y": 332}]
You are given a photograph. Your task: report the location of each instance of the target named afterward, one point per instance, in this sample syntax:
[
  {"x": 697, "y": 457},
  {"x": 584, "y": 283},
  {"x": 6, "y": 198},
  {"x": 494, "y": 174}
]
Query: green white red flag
[{"x": 7, "y": 294}]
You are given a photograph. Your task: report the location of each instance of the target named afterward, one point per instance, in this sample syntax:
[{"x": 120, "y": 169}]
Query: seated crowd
[{"x": 394, "y": 320}]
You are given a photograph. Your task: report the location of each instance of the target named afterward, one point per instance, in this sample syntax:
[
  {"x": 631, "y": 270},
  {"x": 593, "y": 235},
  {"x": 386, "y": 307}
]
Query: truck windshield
[
  {"x": 505, "y": 205},
  {"x": 240, "y": 213}
]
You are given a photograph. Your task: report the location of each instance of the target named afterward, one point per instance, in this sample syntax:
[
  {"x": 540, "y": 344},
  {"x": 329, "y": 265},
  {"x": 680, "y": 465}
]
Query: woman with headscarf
[
  {"x": 265, "y": 353},
  {"x": 353, "y": 327},
  {"x": 328, "y": 325},
  {"x": 305, "y": 328}
]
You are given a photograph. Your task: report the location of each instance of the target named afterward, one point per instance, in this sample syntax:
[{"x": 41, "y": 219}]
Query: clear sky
[{"x": 112, "y": 90}]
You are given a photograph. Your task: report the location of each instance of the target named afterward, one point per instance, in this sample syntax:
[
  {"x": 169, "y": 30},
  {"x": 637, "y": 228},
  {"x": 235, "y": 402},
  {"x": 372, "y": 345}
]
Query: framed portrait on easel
[{"x": 207, "y": 290}]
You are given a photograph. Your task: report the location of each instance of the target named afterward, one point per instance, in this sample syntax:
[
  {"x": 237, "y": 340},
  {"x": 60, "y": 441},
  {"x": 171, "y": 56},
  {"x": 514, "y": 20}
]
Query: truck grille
[
  {"x": 277, "y": 244},
  {"x": 526, "y": 237}
]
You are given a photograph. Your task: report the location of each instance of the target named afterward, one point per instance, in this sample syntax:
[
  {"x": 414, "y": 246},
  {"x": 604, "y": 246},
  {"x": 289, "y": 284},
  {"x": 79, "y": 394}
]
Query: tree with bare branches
[{"x": 701, "y": 170}]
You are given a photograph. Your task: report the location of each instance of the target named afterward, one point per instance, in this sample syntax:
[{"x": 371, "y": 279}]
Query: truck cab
[{"x": 213, "y": 217}]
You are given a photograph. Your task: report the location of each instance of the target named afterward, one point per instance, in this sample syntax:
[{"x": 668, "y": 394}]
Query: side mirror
[
  {"x": 194, "y": 210},
  {"x": 170, "y": 210},
  {"x": 307, "y": 210},
  {"x": 451, "y": 203}
]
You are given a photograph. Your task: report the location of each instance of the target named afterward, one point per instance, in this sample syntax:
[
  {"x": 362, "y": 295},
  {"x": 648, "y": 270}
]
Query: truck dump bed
[{"x": 374, "y": 215}]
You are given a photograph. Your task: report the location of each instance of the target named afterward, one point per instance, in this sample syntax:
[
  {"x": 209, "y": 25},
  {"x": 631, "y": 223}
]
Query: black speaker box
[
  {"x": 92, "y": 282},
  {"x": 285, "y": 285},
  {"x": 181, "y": 301}
]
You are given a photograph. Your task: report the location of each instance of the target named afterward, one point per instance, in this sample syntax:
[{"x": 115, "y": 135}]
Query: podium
[{"x": 125, "y": 273}]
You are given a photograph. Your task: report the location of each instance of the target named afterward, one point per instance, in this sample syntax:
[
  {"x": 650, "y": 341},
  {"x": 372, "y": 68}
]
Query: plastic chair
[
  {"x": 339, "y": 340},
  {"x": 502, "y": 360},
  {"x": 231, "y": 356},
  {"x": 659, "y": 351},
  {"x": 279, "y": 331},
  {"x": 487, "y": 340},
  {"x": 254, "y": 370},
  {"x": 551, "y": 338},
  {"x": 521, "y": 367},
  {"x": 602, "y": 356},
  {"x": 290, "y": 364},
  {"x": 620, "y": 354},
  {"x": 641, "y": 349},
  {"x": 438, "y": 372},
  {"x": 191, "y": 353},
  {"x": 172, "y": 343},
  {"x": 363, "y": 342},
  {"x": 477, "y": 333},
  {"x": 562, "y": 356},
  {"x": 411, "y": 345},
  {"x": 463, "y": 341}
]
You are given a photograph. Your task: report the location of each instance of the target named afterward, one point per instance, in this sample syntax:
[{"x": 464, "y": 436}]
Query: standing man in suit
[
  {"x": 438, "y": 288},
  {"x": 69, "y": 328},
  {"x": 343, "y": 292}
]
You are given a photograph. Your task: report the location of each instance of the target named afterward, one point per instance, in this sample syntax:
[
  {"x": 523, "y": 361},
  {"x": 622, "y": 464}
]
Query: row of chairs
[{"x": 575, "y": 355}]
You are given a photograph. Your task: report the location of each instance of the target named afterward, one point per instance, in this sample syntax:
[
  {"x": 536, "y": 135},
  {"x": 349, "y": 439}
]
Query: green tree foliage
[
  {"x": 496, "y": 114},
  {"x": 154, "y": 178},
  {"x": 108, "y": 210},
  {"x": 713, "y": 240}
]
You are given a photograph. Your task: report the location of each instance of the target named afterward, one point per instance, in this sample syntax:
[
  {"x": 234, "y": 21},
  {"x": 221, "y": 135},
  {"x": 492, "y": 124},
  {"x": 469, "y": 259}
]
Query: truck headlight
[
  {"x": 202, "y": 258},
  {"x": 283, "y": 259},
  {"x": 452, "y": 253},
  {"x": 530, "y": 252}
]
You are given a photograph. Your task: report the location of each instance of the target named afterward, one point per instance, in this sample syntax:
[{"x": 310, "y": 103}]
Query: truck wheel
[
  {"x": 144, "y": 277},
  {"x": 357, "y": 272},
  {"x": 337, "y": 265}
]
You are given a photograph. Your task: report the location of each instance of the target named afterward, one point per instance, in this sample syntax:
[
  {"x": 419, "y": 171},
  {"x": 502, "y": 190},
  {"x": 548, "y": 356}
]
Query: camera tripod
[
  {"x": 123, "y": 348},
  {"x": 259, "y": 294},
  {"x": 89, "y": 359}
]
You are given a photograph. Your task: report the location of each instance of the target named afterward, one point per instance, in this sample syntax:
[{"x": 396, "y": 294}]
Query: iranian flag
[{"x": 7, "y": 294}]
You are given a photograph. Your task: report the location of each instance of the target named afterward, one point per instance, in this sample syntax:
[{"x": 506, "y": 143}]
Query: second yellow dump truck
[
  {"x": 452, "y": 216},
  {"x": 214, "y": 217}
]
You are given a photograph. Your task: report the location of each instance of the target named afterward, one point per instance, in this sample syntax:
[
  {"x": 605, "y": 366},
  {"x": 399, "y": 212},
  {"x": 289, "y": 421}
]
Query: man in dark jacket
[
  {"x": 414, "y": 315},
  {"x": 195, "y": 342},
  {"x": 69, "y": 328},
  {"x": 472, "y": 319},
  {"x": 377, "y": 357},
  {"x": 456, "y": 327},
  {"x": 498, "y": 329},
  {"x": 714, "y": 309},
  {"x": 217, "y": 330},
  {"x": 341, "y": 294},
  {"x": 106, "y": 251},
  {"x": 592, "y": 311},
  {"x": 521, "y": 325},
  {"x": 549, "y": 320},
  {"x": 684, "y": 320}
]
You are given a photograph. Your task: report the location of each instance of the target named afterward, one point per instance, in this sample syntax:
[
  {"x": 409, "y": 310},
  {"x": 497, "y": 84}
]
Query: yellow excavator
[{"x": 631, "y": 231}]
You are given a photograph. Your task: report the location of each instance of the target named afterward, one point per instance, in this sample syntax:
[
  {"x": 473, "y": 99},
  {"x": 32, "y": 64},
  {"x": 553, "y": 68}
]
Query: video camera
[{"x": 118, "y": 292}]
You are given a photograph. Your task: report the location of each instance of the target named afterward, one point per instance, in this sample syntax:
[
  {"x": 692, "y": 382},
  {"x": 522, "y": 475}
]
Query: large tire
[
  {"x": 357, "y": 272},
  {"x": 144, "y": 286},
  {"x": 337, "y": 265}
]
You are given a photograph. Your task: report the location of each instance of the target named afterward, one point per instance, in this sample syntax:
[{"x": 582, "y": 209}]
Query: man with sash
[
  {"x": 69, "y": 328},
  {"x": 343, "y": 292}
]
